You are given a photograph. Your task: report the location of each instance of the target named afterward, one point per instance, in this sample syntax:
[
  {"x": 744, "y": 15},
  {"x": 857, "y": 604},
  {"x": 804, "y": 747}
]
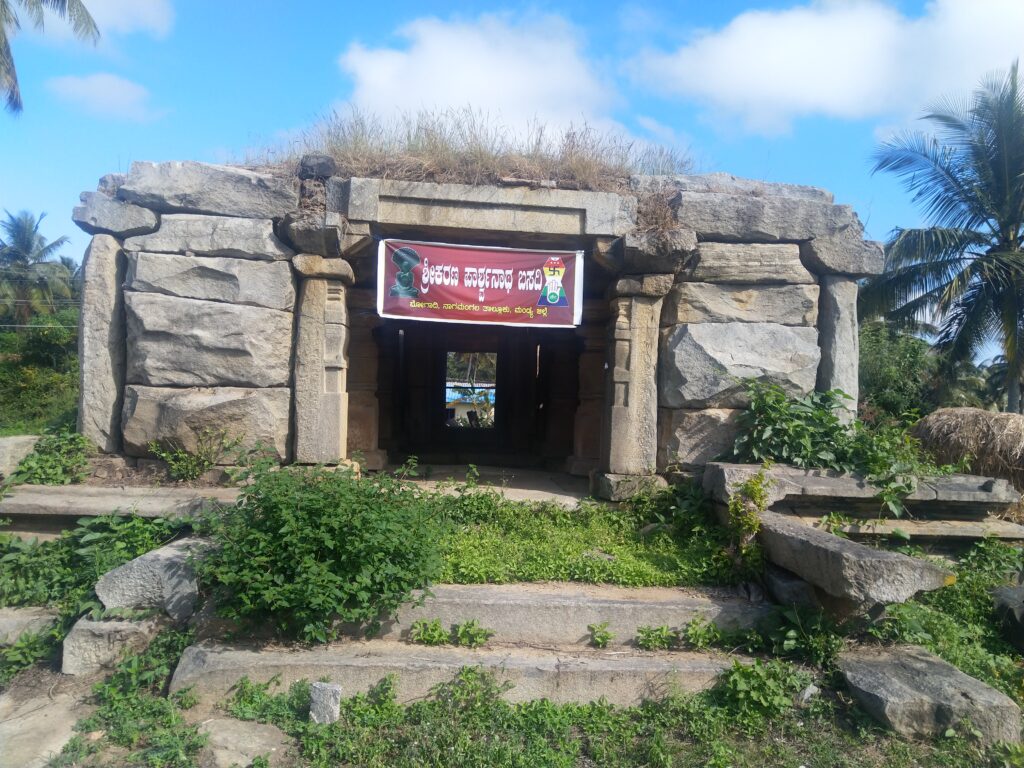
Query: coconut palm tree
[
  {"x": 965, "y": 272},
  {"x": 31, "y": 283},
  {"x": 73, "y": 11}
]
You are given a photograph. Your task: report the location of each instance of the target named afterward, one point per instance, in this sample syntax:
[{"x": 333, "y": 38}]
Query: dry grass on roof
[
  {"x": 994, "y": 442},
  {"x": 466, "y": 147}
]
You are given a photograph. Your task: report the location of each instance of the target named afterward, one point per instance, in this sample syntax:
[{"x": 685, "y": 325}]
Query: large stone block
[
  {"x": 235, "y": 281},
  {"x": 101, "y": 344},
  {"x": 653, "y": 252},
  {"x": 844, "y": 253},
  {"x": 181, "y": 415},
  {"x": 213, "y": 236},
  {"x": 189, "y": 187},
  {"x": 920, "y": 696},
  {"x": 15, "y": 622},
  {"x": 162, "y": 578},
  {"x": 750, "y": 263},
  {"x": 467, "y": 206},
  {"x": 12, "y": 450},
  {"x": 100, "y": 214},
  {"x": 91, "y": 646},
  {"x": 690, "y": 439},
  {"x": 767, "y": 218},
  {"x": 702, "y": 365},
  {"x": 843, "y": 568},
  {"x": 188, "y": 342},
  {"x": 838, "y": 337},
  {"x": 713, "y": 303}
]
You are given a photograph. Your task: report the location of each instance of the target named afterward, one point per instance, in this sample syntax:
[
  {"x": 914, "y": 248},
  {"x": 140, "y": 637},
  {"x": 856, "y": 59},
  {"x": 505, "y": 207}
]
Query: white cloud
[
  {"x": 513, "y": 71},
  {"x": 117, "y": 18},
  {"x": 847, "y": 59},
  {"x": 106, "y": 96}
]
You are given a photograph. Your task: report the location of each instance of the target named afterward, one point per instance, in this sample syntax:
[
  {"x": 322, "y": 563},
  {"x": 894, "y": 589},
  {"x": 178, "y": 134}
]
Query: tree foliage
[
  {"x": 965, "y": 272},
  {"x": 31, "y": 281}
]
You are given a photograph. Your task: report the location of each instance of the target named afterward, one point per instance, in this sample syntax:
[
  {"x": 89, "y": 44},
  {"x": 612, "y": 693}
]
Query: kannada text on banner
[{"x": 469, "y": 284}]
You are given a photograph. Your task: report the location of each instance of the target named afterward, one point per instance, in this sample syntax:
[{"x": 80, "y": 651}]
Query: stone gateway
[{"x": 242, "y": 302}]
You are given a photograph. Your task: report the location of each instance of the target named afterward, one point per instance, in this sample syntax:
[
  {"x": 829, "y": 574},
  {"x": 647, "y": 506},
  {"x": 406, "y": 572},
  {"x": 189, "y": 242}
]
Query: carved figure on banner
[{"x": 405, "y": 259}]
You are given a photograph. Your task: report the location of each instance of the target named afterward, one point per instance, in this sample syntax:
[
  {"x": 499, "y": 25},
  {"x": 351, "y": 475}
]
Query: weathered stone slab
[
  {"x": 100, "y": 214},
  {"x": 188, "y": 342},
  {"x": 321, "y": 368},
  {"x": 652, "y": 286},
  {"x": 617, "y": 487},
  {"x": 163, "y": 578},
  {"x": 190, "y": 187},
  {"x": 723, "y": 303},
  {"x": 35, "y": 728},
  {"x": 231, "y": 743},
  {"x": 235, "y": 281},
  {"x": 313, "y": 265},
  {"x": 180, "y": 416},
  {"x": 12, "y": 450},
  {"x": 466, "y": 206},
  {"x": 767, "y": 218},
  {"x": 654, "y": 251},
  {"x": 95, "y": 645},
  {"x": 101, "y": 344},
  {"x": 702, "y": 365},
  {"x": 844, "y": 253},
  {"x": 726, "y": 183},
  {"x": 748, "y": 263},
  {"x": 839, "y": 338},
  {"x": 846, "y": 569},
  {"x": 920, "y": 696},
  {"x": 213, "y": 236},
  {"x": 15, "y": 622},
  {"x": 689, "y": 439},
  {"x": 1009, "y": 608},
  {"x": 324, "y": 702}
]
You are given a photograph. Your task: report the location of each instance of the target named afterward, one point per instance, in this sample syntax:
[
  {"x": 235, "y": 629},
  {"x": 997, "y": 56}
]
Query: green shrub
[
  {"x": 34, "y": 398},
  {"x": 58, "y": 458},
  {"x": 211, "y": 446},
  {"x": 599, "y": 634},
  {"x": 306, "y": 548},
  {"x": 471, "y": 635},
  {"x": 431, "y": 632},
  {"x": 655, "y": 638},
  {"x": 761, "y": 690},
  {"x": 807, "y": 432}
]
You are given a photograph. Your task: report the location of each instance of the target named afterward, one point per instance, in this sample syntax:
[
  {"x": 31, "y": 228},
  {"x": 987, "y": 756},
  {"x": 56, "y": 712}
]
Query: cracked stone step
[
  {"x": 621, "y": 677},
  {"x": 89, "y": 501}
]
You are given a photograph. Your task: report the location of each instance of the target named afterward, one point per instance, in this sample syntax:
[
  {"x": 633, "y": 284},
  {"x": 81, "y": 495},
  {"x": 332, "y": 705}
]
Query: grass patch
[
  {"x": 747, "y": 720},
  {"x": 465, "y": 146}
]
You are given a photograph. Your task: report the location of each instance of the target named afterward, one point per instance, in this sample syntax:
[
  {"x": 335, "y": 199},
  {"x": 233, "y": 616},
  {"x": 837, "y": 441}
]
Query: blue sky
[{"x": 786, "y": 91}]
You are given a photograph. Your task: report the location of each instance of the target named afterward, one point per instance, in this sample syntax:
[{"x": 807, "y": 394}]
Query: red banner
[{"x": 471, "y": 284}]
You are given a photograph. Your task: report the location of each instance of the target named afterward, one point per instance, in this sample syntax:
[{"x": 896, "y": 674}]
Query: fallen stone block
[
  {"x": 100, "y": 214},
  {"x": 703, "y": 365},
  {"x": 15, "y": 622},
  {"x": 613, "y": 487},
  {"x": 324, "y": 702},
  {"x": 231, "y": 743},
  {"x": 846, "y": 569},
  {"x": 92, "y": 646},
  {"x": 213, "y": 236},
  {"x": 1009, "y": 608},
  {"x": 163, "y": 578},
  {"x": 919, "y": 695},
  {"x": 204, "y": 188},
  {"x": 13, "y": 450}
]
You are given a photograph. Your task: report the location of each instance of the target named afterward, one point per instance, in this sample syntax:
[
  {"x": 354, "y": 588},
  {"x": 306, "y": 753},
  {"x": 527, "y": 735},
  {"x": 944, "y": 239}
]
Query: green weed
[
  {"x": 655, "y": 638},
  {"x": 211, "y": 447},
  {"x": 431, "y": 632},
  {"x": 471, "y": 635},
  {"x": 599, "y": 634},
  {"x": 58, "y": 458}
]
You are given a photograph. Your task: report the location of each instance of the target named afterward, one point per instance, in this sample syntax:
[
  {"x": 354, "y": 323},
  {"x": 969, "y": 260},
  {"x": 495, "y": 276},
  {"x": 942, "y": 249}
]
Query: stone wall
[{"x": 227, "y": 299}]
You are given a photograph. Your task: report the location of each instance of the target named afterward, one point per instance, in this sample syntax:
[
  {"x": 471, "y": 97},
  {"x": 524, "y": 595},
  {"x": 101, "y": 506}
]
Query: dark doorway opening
[{"x": 476, "y": 394}]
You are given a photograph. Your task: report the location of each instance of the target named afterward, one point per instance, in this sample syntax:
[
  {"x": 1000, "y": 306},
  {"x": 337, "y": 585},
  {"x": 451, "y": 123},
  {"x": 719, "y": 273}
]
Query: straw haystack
[{"x": 993, "y": 442}]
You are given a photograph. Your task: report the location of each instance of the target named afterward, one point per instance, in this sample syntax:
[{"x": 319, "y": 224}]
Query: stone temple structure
[{"x": 224, "y": 299}]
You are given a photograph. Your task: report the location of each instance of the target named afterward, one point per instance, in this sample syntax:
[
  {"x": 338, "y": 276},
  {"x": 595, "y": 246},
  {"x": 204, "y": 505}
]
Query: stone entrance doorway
[{"x": 519, "y": 412}]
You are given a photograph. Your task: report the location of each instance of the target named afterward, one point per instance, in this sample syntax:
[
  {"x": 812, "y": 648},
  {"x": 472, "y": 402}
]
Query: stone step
[
  {"x": 926, "y": 529},
  {"x": 559, "y": 613},
  {"x": 950, "y": 496},
  {"x": 46, "y": 508},
  {"x": 621, "y": 677}
]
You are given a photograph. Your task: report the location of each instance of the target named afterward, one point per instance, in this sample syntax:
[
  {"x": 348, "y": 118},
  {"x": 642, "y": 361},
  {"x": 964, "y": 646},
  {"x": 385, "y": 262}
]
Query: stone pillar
[
  {"x": 364, "y": 408},
  {"x": 321, "y": 367},
  {"x": 629, "y": 442},
  {"x": 838, "y": 337},
  {"x": 587, "y": 425},
  {"x": 101, "y": 344}
]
